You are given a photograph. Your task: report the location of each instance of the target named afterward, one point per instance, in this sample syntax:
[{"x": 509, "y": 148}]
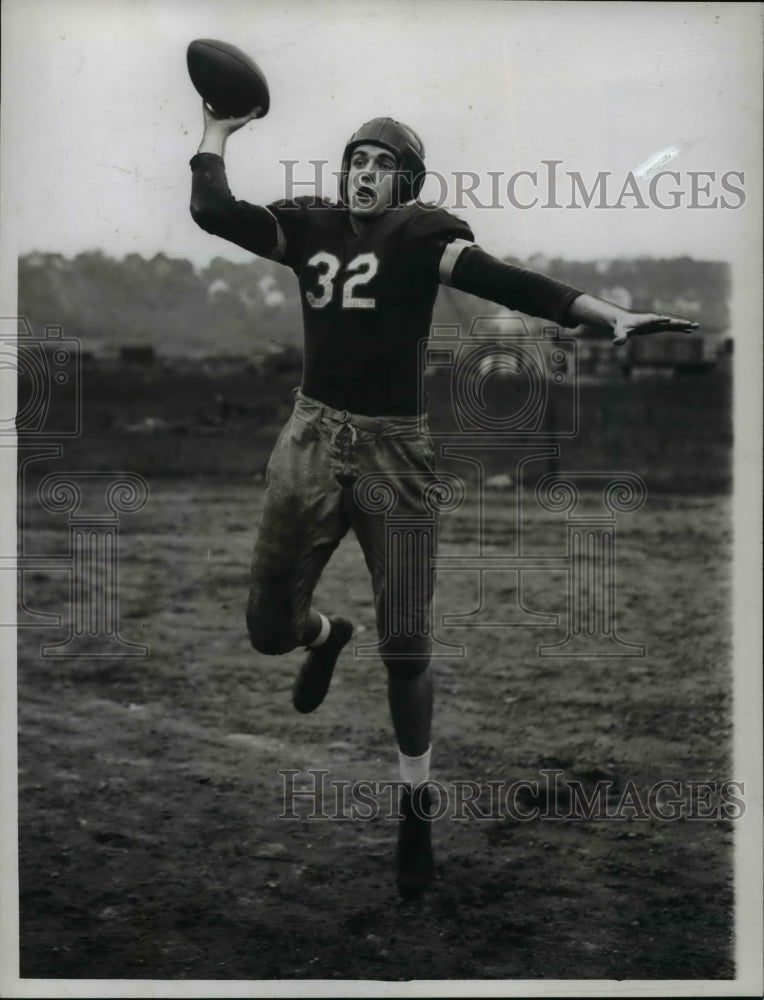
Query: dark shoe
[
  {"x": 315, "y": 676},
  {"x": 414, "y": 854}
]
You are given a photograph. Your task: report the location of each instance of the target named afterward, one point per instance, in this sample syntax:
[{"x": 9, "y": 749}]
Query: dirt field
[{"x": 150, "y": 843}]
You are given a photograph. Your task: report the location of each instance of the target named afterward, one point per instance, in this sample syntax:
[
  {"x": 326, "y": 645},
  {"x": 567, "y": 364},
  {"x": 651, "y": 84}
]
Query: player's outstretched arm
[
  {"x": 589, "y": 310},
  {"x": 465, "y": 266},
  {"x": 468, "y": 268}
]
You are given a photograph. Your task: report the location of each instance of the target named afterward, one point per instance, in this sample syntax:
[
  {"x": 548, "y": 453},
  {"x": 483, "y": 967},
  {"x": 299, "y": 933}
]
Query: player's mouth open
[{"x": 365, "y": 197}]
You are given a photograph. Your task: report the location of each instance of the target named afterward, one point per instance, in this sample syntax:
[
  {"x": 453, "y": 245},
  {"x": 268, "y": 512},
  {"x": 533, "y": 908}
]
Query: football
[{"x": 228, "y": 79}]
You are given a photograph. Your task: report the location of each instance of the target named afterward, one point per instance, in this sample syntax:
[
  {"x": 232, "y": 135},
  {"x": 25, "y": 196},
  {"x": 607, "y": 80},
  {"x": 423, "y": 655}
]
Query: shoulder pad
[{"x": 428, "y": 224}]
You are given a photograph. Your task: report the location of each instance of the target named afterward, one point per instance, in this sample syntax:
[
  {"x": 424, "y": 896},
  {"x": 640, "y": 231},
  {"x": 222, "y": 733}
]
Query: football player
[{"x": 369, "y": 268}]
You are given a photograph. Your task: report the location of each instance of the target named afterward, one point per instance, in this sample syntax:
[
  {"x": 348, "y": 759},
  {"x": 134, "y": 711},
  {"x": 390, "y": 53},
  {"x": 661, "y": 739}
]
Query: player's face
[{"x": 371, "y": 180}]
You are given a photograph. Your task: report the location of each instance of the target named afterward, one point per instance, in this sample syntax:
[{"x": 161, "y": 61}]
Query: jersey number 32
[{"x": 356, "y": 274}]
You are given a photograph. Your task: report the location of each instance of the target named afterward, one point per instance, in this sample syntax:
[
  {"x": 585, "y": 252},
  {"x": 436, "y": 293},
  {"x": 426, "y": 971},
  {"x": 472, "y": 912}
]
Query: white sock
[
  {"x": 323, "y": 635},
  {"x": 415, "y": 770}
]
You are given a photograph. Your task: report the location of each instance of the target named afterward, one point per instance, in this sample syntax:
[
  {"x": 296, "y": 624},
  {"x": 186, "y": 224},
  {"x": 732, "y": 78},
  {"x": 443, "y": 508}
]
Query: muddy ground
[{"x": 149, "y": 791}]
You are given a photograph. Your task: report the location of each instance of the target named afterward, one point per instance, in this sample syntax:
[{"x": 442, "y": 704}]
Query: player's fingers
[
  {"x": 237, "y": 119},
  {"x": 682, "y": 325},
  {"x": 653, "y": 320},
  {"x": 210, "y": 114}
]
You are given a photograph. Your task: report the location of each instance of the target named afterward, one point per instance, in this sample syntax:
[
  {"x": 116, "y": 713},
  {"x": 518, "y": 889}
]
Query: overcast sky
[{"x": 100, "y": 118}]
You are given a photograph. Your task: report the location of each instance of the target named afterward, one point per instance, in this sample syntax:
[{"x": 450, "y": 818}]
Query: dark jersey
[
  {"x": 367, "y": 292},
  {"x": 367, "y": 299}
]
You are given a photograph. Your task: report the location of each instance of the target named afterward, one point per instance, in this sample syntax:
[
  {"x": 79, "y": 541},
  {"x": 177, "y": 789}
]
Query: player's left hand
[{"x": 638, "y": 324}]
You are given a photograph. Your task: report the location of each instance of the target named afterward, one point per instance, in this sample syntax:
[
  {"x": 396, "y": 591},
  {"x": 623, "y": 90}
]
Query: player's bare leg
[{"x": 410, "y": 696}]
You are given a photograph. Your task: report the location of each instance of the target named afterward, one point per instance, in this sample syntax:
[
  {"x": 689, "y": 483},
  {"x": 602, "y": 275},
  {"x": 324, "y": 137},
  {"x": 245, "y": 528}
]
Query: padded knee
[{"x": 270, "y": 637}]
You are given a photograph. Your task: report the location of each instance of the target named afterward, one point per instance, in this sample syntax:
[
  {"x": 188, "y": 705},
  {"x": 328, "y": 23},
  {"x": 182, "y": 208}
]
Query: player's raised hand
[
  {"x": 224, "y": 124},
  {"x": 217, "y": 128},
  {"x": 630, "y": 324}
]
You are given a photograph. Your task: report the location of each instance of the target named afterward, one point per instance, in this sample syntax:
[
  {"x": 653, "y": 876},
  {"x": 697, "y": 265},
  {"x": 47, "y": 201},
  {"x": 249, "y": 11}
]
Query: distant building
[{"x": 681, "y": 352}]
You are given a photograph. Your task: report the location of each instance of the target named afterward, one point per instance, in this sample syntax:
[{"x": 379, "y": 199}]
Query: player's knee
[
  {"x": 406, "y": 668},
  {"x": 406, "y": 656},
  {"x": 270, "y": 637}
]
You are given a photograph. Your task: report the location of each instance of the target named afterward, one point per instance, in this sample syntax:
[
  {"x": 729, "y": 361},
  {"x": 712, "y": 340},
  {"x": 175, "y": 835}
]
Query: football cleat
[
  {"x": 315, "y": 676},
  {"x": 414, "y": 860}
]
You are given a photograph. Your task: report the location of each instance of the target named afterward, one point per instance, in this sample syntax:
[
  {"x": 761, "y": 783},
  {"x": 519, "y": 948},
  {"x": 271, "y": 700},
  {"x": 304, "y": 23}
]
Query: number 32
[{"x": 358, "y": 272}]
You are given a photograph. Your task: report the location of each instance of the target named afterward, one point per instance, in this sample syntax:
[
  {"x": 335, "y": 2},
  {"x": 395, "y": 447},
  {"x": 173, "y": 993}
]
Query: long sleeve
[
  {"x": 215, "y": 210},
  {"x": 478, "y": 273}
]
